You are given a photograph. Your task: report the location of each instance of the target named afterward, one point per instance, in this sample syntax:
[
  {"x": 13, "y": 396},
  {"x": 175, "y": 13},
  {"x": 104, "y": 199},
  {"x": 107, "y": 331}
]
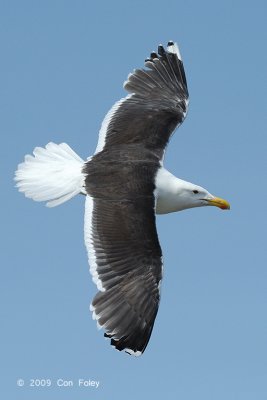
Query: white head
[
  {"x": 190, "y": 195},
  {"x": 174, "y": 194}
]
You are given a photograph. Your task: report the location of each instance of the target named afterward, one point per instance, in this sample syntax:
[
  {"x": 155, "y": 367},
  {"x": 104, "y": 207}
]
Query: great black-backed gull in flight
[{"x": 125, "y": 185}]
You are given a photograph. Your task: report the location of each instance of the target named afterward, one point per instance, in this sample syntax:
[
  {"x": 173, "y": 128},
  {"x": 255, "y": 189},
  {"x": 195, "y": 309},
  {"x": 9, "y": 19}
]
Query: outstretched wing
[
  {"x": 125, "y": 261},
  {"x": 120, "y": 232},
  {"x": 156, "y": 105}
]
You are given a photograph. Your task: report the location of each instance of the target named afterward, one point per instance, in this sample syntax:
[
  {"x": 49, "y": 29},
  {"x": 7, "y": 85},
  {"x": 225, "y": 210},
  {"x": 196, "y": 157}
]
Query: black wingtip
[
  {"x": 161, "y": 50},
  {"x": 153, "y": 55}
]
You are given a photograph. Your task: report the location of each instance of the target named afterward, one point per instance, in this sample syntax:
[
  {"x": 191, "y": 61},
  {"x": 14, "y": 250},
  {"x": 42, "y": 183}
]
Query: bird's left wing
[
  {"x": 126, "y": 264},
  {"x": 156, "y": 105}
]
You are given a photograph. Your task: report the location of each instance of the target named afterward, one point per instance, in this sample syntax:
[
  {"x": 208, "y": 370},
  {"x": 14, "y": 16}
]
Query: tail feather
[{"x": 52, "y": 174}]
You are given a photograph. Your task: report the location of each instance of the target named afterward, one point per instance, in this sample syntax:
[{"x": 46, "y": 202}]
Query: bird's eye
[{"x": 195, "y": 191}]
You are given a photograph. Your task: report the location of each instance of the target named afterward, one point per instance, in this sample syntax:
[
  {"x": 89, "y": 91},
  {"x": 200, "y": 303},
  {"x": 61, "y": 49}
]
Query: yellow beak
[{"x": 221, "y": 203}]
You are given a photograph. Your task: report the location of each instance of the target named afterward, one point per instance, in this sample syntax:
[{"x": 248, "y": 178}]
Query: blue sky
[{"x": 62, "y": 67}]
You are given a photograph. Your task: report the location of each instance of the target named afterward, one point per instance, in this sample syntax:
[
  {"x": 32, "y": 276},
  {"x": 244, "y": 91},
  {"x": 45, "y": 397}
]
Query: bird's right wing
[{"x": 126, "y": 264}]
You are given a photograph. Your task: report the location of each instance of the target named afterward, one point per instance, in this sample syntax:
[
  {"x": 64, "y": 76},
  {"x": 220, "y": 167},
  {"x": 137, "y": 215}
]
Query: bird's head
[
  {"x": 174, "y": 194},
  {"x": 197, "y": 196}
]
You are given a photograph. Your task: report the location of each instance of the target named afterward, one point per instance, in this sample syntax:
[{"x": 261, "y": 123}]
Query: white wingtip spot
[
  {"x": 174, "y": 49},
  {"x": 133, "y": 353}
]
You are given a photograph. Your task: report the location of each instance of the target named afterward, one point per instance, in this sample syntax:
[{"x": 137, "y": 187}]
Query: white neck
[{"x": 169, "y": 193}]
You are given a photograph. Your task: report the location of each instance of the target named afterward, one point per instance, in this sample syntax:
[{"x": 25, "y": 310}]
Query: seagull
[{"x": 125, "y": 185}]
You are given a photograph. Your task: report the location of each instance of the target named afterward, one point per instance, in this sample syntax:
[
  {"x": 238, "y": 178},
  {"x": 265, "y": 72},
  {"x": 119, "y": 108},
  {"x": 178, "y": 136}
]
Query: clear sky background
[{"x": 62, "y": 67}]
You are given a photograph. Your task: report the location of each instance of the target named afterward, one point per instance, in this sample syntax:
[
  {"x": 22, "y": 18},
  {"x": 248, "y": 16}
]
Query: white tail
[{"x": 52, "y": 174}]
